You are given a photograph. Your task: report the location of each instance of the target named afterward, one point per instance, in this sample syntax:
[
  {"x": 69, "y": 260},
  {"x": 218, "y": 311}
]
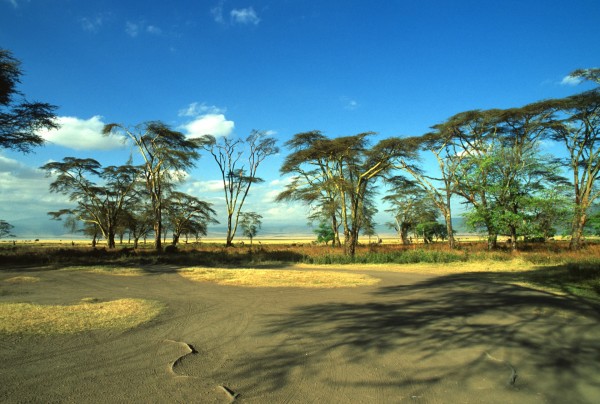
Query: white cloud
[
  {"x": 282, "y": 182},
  {"x": 202, "y": 187},
  {"x": 209, "y": 124},
  {"x": 570, "y": 81},
  {"x": 195, "y": 109},
  {"x": 290, "y": 214},
  {"x": 82, "y": 134},
  {"x": 24, "y": 191},
  {"x": 244, "y": 16}
]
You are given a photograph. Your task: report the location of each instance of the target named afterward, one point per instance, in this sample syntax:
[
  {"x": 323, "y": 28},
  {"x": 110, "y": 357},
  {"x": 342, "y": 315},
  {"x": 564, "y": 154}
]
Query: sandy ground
[{"x": 411, "y": 338}]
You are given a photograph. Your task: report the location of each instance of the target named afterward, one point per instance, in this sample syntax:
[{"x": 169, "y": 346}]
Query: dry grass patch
[
  {"x": 278, "y": 278},
  {"x": 22, "y": 279},
  {"x": 515, "y": 265},
  {"x": 89, "y": 314}
]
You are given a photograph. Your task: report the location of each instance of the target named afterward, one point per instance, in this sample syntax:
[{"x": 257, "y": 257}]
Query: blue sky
[{"x": 284, "y": 66}]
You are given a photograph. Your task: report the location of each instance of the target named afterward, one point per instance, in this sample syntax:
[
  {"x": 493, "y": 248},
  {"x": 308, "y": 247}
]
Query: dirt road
[{"x": 411, "y": 338}]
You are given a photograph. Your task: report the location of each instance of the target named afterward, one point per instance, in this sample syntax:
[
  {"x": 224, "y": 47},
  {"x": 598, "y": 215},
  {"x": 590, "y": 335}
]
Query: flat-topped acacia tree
[
  {"x": 101, "y": 193},
  {"x": 166, "y": 154},
  {"x": 342, "y": 171}
]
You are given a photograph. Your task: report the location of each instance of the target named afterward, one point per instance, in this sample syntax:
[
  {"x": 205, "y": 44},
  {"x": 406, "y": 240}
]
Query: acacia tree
[
  {"x": 499, "y": 168},
  {"x": 440, "y": 189},
  {"x": 137, "y": 215},
  {"x": 238, "y": 174},
  {"x": 20, "y": 120},
  {"x": 250, "y": 223},
  {"x": 471, "y": 132},
  {"x": 187, "y": 213},
  {"x": 349, "y": 167},
  {"x": 410, "y": 206},
  {"x": 166, "y": 155},
  {"x": 101, "y": 205},
  {"x": 310, "y": 183},
  {"x": 579, "y": 131}
]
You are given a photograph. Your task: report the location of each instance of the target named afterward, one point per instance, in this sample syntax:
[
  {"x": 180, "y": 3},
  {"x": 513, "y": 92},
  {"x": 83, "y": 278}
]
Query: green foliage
[
  {"x": 100, "y": 193},
  {"x": 250, "y": 222},
  {"x": 324, "y": 233},
  {"x": 431, "y": 230},
  {"x": 411, "y": 205}
]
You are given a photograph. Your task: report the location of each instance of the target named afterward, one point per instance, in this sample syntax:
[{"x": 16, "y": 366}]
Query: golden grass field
[{"x": 85, "y": 315}]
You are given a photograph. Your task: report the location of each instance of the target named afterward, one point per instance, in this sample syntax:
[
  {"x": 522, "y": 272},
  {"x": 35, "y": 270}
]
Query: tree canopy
[{"x": 20, "y": 120}]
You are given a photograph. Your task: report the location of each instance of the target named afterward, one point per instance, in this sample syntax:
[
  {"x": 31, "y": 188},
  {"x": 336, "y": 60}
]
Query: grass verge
[
  {"x": 107, "y": 270},
  {"x": 89, "y": 314},
  {"x": 278, "y": 278}
]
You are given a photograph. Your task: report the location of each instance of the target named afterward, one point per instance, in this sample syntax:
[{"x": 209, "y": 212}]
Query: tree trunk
[
  {"x": 175, "y": 238},
  {"x": 336, "y": 231},
  {"x": 577, "y": 230},
  {"x": 158, "y": 235},
  {"x": 513, "y": 238},
  {"x": 450, "y": 230},
  {"x": 229, "y": 241},
  {"x": 492, "y": 240},
  {"x": 111, "y": 240},
  {"x": 404, "y": 227}
]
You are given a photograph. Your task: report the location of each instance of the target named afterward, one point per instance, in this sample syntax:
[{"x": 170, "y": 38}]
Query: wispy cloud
[
  {"x": 82, "y": 134},
  {"x": 244, "y": 16},
  {"x": 217, "y": 12},
  {"x": 134, "y": 29},
  {"x": 14, "y": 3},
  {"x": 195, "y": 109},
  {"x": 349, "y": 103},
  {"x": 570, "y": 81},
  {"x": 92, "y": 24}
]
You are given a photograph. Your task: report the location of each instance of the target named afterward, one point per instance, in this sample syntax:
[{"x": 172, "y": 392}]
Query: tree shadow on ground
[{"x": 449, "y": 328}]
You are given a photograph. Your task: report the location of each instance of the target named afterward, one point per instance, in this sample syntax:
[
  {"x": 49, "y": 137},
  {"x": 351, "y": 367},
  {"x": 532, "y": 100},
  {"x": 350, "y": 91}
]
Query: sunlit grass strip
[
  {"x": 38, "y": 319},
  {"x": 279, "y": 278},
  {"x": 107, "y": 270},
  {"x": 22, "y": 279},
  {"x": 437, "y": 269}
]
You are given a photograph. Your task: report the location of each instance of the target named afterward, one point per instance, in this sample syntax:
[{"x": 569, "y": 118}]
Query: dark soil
[{"x": 411, "y": 338}]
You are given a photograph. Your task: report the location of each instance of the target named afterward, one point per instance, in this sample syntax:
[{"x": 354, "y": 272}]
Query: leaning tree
[{"x": 238, "y": 161}]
